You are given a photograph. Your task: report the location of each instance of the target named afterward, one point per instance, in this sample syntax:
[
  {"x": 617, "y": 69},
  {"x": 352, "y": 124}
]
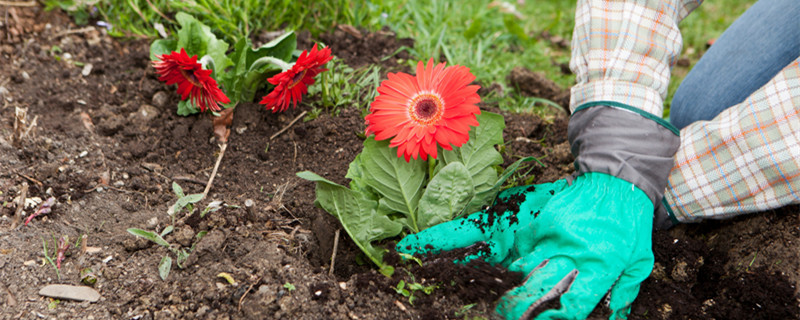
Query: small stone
[
  {"x": 147, "y": 112},
  {"x": 25, "y": 76},
  {"x": 29, "y": 263},
  {"x": 160, "y": 99},
  {"x": 343, "y": 285},
  {"x": 63, "y": 291},
  {"x": 249, "y": 203},
  {"x": 87, "y": 69},
  {"x": 152, "y": 222}
]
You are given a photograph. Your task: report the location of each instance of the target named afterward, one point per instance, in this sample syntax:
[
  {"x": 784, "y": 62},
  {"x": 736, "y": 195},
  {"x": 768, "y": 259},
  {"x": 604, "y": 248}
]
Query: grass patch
[{"x": 490, "y": 37}]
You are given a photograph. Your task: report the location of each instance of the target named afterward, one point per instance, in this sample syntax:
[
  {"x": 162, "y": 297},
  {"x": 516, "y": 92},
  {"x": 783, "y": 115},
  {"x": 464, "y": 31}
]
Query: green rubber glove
[{"x": 574, "y": 246}]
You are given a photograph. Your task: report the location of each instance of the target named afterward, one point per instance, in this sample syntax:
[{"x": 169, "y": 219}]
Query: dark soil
[{"x": 108, "y": 146}]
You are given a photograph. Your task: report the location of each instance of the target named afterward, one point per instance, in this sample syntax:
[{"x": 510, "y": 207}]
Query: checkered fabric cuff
[{"x": 628, "y": 93}]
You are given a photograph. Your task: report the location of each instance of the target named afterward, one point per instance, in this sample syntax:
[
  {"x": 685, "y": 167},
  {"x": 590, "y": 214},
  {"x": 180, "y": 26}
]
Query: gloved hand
[{"x": 573, "y": 242}]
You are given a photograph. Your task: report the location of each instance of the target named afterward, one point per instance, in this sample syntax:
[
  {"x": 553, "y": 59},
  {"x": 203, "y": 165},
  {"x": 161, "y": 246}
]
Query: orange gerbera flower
[
  {"x": 438, "y": 106},
  {"x": 191, "y": 78},
  {"x": 292, "y": 84}
]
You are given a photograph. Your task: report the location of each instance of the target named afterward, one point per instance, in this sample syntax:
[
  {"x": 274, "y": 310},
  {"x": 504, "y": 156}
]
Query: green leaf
[
  {"x": 360, "y": 217},
  {"x": 447, "y": 194},
  {"x": 257, "y": 75},
  {"x": 161, "y": 46},
  {"x": 186, "y": 107},
  {"x": 508, "y": 172},
  {"x": 167, "y": 230},
  {"x": 177, "y": 189},
  {"x": 250, "y": 74},
  {"x": 480, "y": 157},
  {"x": 164, "y": 267},
  {"x": 397, "y": 181},
  {"x": 152, "y": 236},
  {"x": 198, "y": 39}
]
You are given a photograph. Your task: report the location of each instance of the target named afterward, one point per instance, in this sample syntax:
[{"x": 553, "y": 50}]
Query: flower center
[
  {"x": 189, "y": 75},
  {"x": 426, "y": 108},
  {"x": 297, "y": 78}
]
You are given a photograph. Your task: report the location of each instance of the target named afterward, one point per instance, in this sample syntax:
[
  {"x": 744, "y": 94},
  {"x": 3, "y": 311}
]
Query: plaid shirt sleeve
[
  {"x": 623, "y": 51},
  {"x": 747, "y": 159}
]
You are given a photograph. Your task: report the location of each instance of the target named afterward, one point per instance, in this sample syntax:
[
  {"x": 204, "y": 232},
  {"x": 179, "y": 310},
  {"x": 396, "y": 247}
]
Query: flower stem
[{"x": 431, "y": 166}]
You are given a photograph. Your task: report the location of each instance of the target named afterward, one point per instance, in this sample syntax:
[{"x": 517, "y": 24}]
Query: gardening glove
[
  {"x": 491, "y": 231},
  {"x": 575, "y": 242}
]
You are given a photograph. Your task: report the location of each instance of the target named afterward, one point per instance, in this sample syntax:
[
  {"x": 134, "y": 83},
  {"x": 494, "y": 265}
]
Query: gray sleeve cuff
[{"x": 626, "y": 144}]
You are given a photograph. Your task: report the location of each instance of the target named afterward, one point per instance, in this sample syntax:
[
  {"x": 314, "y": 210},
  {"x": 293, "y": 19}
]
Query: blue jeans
[{"x": 758, "y": 45}]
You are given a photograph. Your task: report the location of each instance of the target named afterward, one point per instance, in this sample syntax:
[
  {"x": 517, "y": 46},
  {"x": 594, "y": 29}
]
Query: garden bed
[{"x": 273, "y": 242}]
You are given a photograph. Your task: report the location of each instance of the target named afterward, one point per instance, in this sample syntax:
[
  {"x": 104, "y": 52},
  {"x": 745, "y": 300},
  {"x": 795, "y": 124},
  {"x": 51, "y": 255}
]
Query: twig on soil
[
  {"x": 335, "y": 247},
  {"x": 288, "y": 125},
  {"x": 31, "y": 179},
  {"x": 18, "y": 4},
  {"x": 245, "y": 294},
  {"x": 73, "y": 31},
  {"x": 222, "y": 148},
  {"x": 20, "y": 205}
]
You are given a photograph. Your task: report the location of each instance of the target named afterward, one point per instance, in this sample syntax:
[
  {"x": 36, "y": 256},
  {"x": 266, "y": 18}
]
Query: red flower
[
  {"x": 291, "y": 84},
  {"x": 191, "y": 78},
  {"x": 435, "y": 107}
]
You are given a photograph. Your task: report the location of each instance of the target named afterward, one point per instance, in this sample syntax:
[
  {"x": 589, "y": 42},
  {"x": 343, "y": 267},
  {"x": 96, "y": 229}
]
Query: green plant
[
  {"x": 388, "y": 194},
  {"x": 409, "y": 289},
  {"x": 289, "y": 286},
  {"x": 343, "y": 87},
  {"x": 181, "y": 254}
]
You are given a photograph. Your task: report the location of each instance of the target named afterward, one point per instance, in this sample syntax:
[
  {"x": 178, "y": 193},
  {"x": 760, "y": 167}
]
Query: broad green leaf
[
  {"x": 198, "y": 39},
  {"x": 360, "y": 216},
  {"x": 356, "y": 175},
  {"x": 164, "y": 267},
  {"x": 397, "y": 181},
  {"x": 152, "y": 236},
  {"x": 161, "y": 46},
  {"x": 176, "y": 188},
  {"x": 257, "y": 75},
  {"x": 186, "y": 107},
  {"x": 447, "y": 194},
  {"x": 480, "y": 157},
  {"x": 251, "y": 71}
]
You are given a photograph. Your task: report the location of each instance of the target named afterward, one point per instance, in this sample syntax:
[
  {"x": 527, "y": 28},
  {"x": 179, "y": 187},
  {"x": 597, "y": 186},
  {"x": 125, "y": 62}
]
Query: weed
[
  {"x": 343, "y": 87},
  {"x": 409, "y": 289},
  {"x": 181, "y": 254},
  {"x": 289, "y": 286}
]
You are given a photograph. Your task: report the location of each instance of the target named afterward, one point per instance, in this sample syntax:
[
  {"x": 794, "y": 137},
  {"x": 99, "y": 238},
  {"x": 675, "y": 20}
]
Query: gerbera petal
[{"x": 437, "y": 107}]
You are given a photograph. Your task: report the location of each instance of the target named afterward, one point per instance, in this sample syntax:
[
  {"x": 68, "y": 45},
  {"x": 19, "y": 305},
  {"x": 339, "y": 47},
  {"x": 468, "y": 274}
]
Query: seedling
[
  {"x": 289, "y": 286},
  {"x": 409, "y": 289},
  {"x": 184, "y": 202}
]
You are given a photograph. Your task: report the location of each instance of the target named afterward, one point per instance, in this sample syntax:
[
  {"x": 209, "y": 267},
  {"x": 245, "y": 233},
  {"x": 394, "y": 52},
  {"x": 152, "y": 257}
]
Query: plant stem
[
  {"x": 431, "y": 166},
  {"x": 222, "y": 148}
]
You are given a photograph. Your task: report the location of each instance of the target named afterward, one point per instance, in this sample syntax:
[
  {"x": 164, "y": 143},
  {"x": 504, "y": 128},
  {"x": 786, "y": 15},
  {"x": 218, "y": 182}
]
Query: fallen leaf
[
  {"x": 222, "y": 125},
  {"x": 227, "y": 277},
  {"x": 87, "y": 122}
]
